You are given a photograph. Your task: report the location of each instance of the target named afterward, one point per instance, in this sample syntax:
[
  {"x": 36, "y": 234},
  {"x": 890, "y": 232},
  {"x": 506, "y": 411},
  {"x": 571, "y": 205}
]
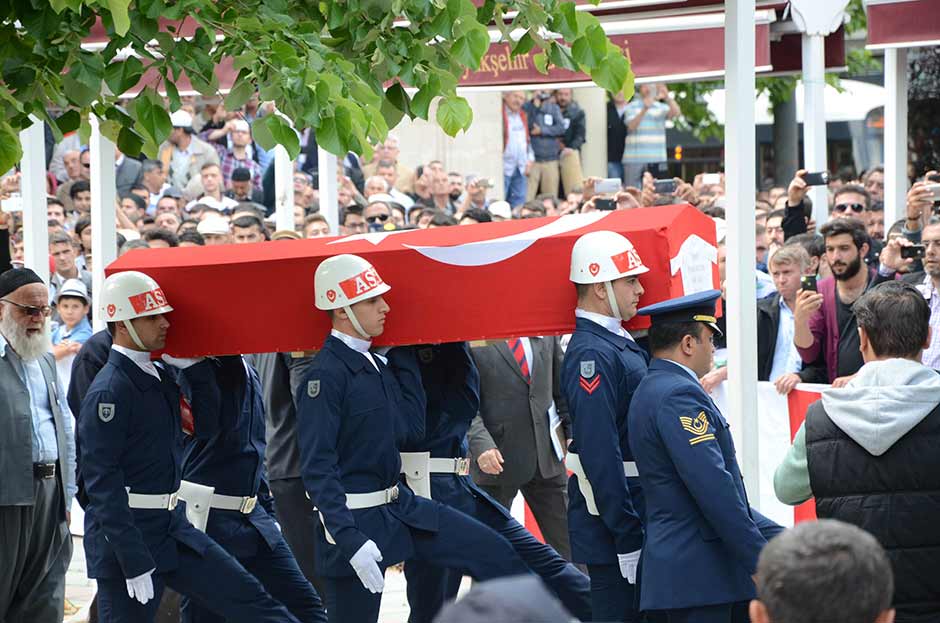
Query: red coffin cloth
[{"x": 487, "y": 281}]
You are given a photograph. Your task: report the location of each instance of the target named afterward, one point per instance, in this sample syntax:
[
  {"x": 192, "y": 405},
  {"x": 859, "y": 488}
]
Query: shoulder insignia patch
[
  {"x": 698, "y": 427},
  {"x": 587, "y": 369},
  {"x": 590, "y": 386},
  {"x": 313, "y": 388},
  {"x": 106, "y": 411}
]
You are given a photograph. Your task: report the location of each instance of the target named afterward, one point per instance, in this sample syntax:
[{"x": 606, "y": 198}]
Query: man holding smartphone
[{"x": 646, "y": 118}]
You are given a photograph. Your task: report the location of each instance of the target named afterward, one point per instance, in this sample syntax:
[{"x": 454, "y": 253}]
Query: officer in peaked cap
[{"x": 702, "y": 537}]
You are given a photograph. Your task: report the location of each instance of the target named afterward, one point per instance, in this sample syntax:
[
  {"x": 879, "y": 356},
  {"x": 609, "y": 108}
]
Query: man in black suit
[{"x": 511, "y": 440}]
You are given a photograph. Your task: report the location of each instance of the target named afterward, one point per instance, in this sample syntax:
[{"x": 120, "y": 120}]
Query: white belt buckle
[
  {"x": 391, "y": 495},
  {"x": 462, "y": 467},
  {"x": 173, "y": 500},
  {"x": 248, "y": 505}
]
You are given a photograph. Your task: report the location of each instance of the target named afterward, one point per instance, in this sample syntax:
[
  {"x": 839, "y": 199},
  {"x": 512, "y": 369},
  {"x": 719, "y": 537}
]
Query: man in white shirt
[{"x": 517, "y": 148}]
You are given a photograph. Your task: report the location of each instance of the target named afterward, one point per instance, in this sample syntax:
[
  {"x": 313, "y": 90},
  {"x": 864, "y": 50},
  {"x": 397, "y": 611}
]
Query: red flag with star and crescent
[{"x": 486, "y": 281}]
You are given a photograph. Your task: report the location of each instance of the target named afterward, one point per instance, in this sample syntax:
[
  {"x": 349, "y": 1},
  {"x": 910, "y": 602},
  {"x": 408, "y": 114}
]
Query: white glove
[
  {"x": 365, "y": 564},
  {"x": 181, "y": 362},
  {"x": 141, "y": 587},
  {"x": 628, "y": 563}
]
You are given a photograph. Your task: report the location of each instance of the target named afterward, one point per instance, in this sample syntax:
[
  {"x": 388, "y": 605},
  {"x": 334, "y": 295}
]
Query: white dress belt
[
  {"x": 460, "y": 466},
  {"x": 573, "y": 462},
  {"x": 243, "y": 504},
  {"x": 355, "y": 501},
  {"x": 153, "y": 501}
]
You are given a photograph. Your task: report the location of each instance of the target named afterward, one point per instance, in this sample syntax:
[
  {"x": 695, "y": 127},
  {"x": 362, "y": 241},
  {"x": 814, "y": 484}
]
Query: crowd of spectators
[{"x": 211, "y": 184}]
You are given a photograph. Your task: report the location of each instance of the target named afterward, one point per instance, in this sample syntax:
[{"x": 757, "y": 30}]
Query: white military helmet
[
  {"x": 344, "y": 280},
  {"x": 128, "y": 295},
  {"x": 603, "y": 257}
]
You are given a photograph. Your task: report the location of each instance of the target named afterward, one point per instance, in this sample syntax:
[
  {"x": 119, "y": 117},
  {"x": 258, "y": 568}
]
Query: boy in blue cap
[{"x": 702, "y": 537}]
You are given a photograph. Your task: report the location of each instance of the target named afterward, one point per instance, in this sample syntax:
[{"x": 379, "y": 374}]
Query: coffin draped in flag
[{"x": 487, "y": 281}]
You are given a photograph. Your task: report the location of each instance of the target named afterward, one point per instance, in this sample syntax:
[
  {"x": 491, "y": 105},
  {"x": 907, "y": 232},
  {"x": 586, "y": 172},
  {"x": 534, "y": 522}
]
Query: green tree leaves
[
  {"x": 349, "y": 70},
  {"x": 454, "y": 114}
]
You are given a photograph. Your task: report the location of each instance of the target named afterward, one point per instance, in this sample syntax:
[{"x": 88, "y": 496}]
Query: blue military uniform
[
  {"x": 227, "y": 452},
  {"x": 352, "y": 416},
  {"x": 452, "y": 386},
  {"x": 85, "y": 367},
  {"x": 132, "y": 443},
  {"x": 702, "y": 538},
  {"x": 600, "y": 372}
]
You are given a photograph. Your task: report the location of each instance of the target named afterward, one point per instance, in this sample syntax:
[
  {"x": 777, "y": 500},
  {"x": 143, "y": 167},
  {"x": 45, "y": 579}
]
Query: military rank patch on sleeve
[
  {"x": 313, "y": 388},
  {"x": 698, "y": 427},
  {"x": 590, "y": 386},
  {"x": 105, "y": 411},
  {"x": 587, "y": 369}
]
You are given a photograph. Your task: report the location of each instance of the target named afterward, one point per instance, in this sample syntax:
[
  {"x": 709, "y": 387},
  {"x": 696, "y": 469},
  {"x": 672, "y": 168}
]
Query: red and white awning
[{"x": 902, "y": 23}]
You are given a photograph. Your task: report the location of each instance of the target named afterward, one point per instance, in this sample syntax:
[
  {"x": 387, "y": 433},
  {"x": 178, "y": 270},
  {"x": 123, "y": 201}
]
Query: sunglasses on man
[
  {"x": 29, "y": 310},
  {"x": 377, "y": 218},
  {"x": 858, "y": 208}
]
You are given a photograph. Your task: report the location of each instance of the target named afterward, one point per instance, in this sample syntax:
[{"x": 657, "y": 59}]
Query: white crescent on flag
[{"x": 494, "y": 250}]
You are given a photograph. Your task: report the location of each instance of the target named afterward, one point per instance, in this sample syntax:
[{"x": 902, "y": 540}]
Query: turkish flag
[
  {"x": 486, "y": 281},
  {"x": 798, "y": 402}
]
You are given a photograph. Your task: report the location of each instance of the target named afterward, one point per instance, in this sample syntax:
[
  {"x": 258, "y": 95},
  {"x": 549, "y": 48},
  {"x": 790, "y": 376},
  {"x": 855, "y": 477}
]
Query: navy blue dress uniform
[
  {"x": 452, "y": 385},
  {"x": 85, "y": 367},
  {"x": 353, "y": 415},
  {"x": 226, "y": 452},
  {"x": 132, "y": 444},
  {"x": 702, "y": 538},
  {"x": 601, "y": 370}
]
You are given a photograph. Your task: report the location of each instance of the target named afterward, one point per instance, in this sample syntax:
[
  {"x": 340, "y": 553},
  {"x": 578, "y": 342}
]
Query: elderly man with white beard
[{"x": 37, "y": 457}]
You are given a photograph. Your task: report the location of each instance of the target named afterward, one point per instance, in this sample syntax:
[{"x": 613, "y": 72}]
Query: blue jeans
[
  {"x": 615, "y": 169},
  {"x": 515, "y": 186}
]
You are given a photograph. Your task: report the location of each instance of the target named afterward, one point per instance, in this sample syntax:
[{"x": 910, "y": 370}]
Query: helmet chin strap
[
  {"x": 134, "y": 336},
  {"x": 355, "y": 323},
  {"x": 614, "y": 308}
]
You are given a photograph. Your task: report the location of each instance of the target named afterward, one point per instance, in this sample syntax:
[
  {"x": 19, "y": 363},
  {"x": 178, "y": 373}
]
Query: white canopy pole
[
  {"x": 816, "y": 19},
  {"x": 814, "y": 121},
  {"x": 740, "y": 182},
  {"x": 895, "y": 134},
  {"x": 329, "y": 207},
  {"x": 33, "y": 191},
  {"x": 283, "y": 189},
  {"x": 103, "y": 211}
]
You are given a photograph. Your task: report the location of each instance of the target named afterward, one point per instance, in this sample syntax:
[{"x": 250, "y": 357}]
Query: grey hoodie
[
  {"x": 884, "y": 401},
  {"x": 881, "y": 404}
]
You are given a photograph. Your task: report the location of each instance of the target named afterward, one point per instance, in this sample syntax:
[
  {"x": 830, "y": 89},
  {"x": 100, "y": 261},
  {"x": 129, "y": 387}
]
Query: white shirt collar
[
  {"x": 140, "y": 358},
  {"x": 608, "y": 322},
  {"x": 357, "y": 344},
  {"x": 3, "y": 346}
]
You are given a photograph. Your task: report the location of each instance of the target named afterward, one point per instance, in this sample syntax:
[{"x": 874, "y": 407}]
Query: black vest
[{"x": 895, "y": 497}]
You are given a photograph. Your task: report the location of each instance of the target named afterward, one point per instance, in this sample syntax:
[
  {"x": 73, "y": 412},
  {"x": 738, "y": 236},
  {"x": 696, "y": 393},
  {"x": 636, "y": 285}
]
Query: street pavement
[{"x": 79, "y": 590}]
